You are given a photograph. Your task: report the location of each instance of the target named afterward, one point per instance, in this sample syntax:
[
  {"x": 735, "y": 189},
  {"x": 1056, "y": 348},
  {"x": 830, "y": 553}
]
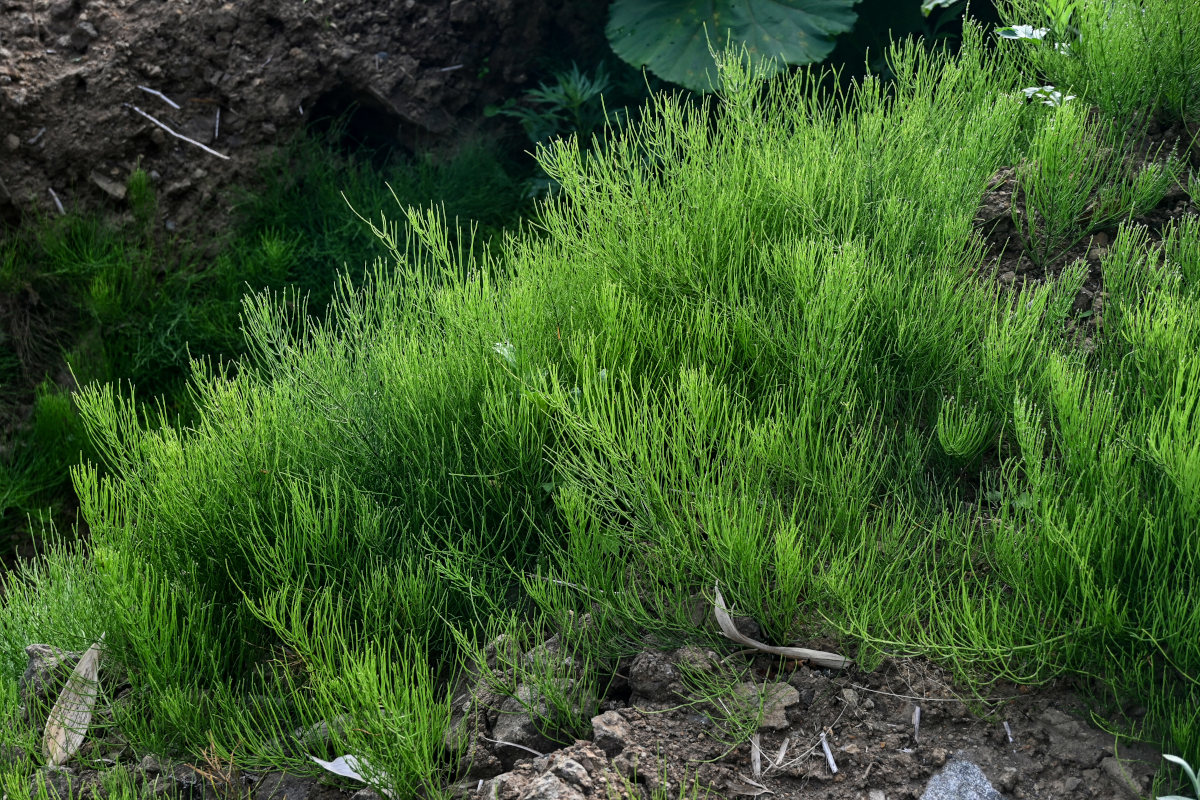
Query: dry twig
[{"x": 176, "y": 134}]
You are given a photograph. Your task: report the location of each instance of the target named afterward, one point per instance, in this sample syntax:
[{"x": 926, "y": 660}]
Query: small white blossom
[
  {"x": 1022, "y": 32},
  {"x": 1047, "y": 94}
]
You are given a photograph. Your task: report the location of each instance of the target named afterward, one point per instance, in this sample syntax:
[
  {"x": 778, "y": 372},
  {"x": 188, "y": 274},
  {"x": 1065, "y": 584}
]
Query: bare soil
[{"x": 240, "y": 77}]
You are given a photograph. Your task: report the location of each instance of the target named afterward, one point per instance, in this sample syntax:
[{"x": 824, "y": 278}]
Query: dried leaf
[
  {"x": 818, "y": 657},
  {"x": 748, "y": 787},
  {"x": 756, "y": 756},
  {"x": 72, "y": 713},
  {"x": 350, "y": 766},
  {"x": 783, "y": 748}
]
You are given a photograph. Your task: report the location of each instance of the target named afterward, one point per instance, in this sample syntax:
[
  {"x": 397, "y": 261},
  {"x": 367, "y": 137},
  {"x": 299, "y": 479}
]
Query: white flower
[
  {"x": 1047, "y": 94},
  {"x": 1022, "y": 32}
]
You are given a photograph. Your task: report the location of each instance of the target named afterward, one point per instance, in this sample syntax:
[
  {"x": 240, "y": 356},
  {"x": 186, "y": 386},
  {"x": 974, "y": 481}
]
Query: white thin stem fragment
[
  {"x": 451, "y": 69},
  {"x": 756, "y": 757},
  {"x": 217, "y": 124},
  {"x": 828, "y": 755},
  {"x": 1008, "y": 731},
  {"x": 57, "y": 203},
  {"x": 512, "y": 744},
  {"x": 34, "y": 139},
  {"x": 160, "y": 96},
  {"x": 783, "y": 748},
  {"x": 916, "y": 720},
  {"x": 177, "y": 135}
]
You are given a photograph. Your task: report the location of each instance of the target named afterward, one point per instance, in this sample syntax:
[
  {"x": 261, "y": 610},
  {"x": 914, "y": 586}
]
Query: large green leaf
[{"x": 668, "y": 36}]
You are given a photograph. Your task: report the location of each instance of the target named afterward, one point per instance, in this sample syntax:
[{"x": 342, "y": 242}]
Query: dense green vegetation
[
  {"x": 754, "y": 344},
  {"x": 134, "y": 305}
]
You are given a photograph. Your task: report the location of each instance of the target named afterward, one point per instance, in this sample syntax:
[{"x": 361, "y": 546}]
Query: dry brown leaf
[
  {"x": 818, "y": 657},
  {"x": 747, "y": 786},
  {"x": 72, "y": 713}
]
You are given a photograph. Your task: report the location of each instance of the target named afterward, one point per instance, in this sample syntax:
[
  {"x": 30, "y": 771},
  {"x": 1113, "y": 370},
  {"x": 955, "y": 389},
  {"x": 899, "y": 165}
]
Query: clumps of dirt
[
  {"x": 900, "y": 732},
  {"x": 236, "y": 78},
  {"x": 889, "y": 733}
]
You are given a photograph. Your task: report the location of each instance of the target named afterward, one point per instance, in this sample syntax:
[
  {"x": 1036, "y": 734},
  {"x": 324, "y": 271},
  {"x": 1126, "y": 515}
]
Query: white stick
[
  {"x": 57, "y": 203},
  {"x": 916, "y": 723},
  {"x": 177, "y": 135},
  {"x": 160, "y": 96},
  {"x": 217, "y": 124},
  {"x": 512, "y": 744},
  {"x": 1008, "y": 731},
  {"x": 756, "y": 757},
  {"x": 828, "y": 754},
  {"x": 36, "y": 136}
]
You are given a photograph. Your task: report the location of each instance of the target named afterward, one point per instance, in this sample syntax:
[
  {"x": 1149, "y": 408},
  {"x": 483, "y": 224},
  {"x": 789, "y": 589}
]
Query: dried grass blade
[
  {"x": 72, "y": 713},
  {"x": 819, "y": 657}
]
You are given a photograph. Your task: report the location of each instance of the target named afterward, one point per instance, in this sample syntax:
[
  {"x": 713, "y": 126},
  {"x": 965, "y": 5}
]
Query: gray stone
[
  {"x": 651, "y": 674},
  {"x": 550, "y": 787},
  {"x": 514, "y": 723},
  {"x": 610, "y": 731},
  {"x": 1122, "y": 777},
  {"x": 45, "y": 672},
  {"x": 57, "y": 782},
  {"x": 777, "y": 699},
  {"x": 283, "y": 786},
  {"x": 12, "y": 142},
  {"x": 573, "y": 773},
  {"x": 82, "y": 35},
  {"x": 960, "y": 780},
  {"x": 149, "y": 765}
]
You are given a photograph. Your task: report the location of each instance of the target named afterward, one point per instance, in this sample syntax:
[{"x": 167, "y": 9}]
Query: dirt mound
[
  {"x": 902, "y": 731},
  {"x": 81, "y": 79}
]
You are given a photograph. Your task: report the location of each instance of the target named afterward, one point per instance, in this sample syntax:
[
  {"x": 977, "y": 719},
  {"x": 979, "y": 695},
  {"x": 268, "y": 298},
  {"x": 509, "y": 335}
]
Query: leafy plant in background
[
  {"x": 573, "y": 103},
  {"x": 673, "y": 37},
  {"x": 1125, "y": 56}
]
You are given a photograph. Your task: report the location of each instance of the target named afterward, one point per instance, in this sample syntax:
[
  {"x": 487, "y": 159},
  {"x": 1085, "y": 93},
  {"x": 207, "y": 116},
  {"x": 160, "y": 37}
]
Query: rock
[
  {"x": 651, "y": 674},
  {"x": 11, "y": 755},
  {"x": 777, "y": 699},
  {"x": 515, "y": 724},
  {"x": 876, "y": 794},
  {"x": 572, "y": 773},
  {"x": 56, "y": 782},
  {"x": 1008, "y": 278},
  {"x": 1122, "y": 777},
  {"x": 149, "y": 765},
  {"x": 82, "y": 35},
  {"x": 283, "y": 786},
  {"x": 610, "y": 731},
  {"x": 1069, "y": 742},
  {"x": 114, "y": 189},
  {"x": 12, "y": 142},
  {"x": 63, "y": 10},
  {"x": 960, "y": 780},
  {"x": 45, "y": 674}
]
